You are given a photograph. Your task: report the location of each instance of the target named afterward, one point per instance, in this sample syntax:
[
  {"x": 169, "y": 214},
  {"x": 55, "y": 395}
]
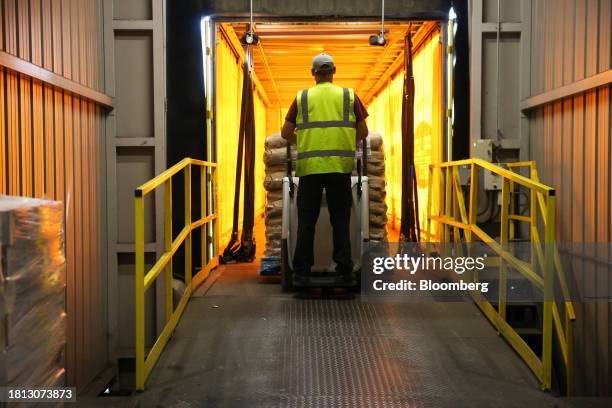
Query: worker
[{"x": 330, "y": 121}]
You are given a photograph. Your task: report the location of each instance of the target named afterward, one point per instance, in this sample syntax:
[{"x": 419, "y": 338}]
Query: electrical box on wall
[
  {"x": 483, "y": 149},
  {"x": 491, "y": 181}
]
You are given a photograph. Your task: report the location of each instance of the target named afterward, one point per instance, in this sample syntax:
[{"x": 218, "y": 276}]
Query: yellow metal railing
[
  {"x": 144, "y": 279},
  {"x": 455, "y": 219}
]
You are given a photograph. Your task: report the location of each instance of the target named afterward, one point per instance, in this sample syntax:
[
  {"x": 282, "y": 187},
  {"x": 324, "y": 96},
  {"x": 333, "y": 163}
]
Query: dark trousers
[{"x": 339, "y": 201}]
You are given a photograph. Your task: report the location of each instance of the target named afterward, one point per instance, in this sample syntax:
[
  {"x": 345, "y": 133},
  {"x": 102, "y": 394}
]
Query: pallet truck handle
[
  {"x": 291, "y": 186},
  {"x": 364, "y": 155},
  {"x": 359, "y": 177}
]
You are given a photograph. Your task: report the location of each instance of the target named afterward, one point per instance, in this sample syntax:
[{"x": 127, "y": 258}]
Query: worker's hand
[
  {"x": 288, "y": 132},
  {"x": 292, "y": 139}
]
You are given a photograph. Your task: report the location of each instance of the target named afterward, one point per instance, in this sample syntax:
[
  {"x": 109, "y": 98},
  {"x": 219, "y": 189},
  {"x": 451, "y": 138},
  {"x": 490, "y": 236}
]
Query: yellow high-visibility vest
[{"x": 325, "y": 130}]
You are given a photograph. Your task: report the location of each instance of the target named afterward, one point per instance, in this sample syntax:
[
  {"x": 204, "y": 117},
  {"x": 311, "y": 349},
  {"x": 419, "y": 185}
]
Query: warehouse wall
[
  {"x": 227, "y": 120},
  {"x": 499, "y": 74},
  {"x": 135, "y": 133},
  {"x": 570, "y": 140},
  {"x": 52, "y": 146},
  {"x": 386, "y": 115}
]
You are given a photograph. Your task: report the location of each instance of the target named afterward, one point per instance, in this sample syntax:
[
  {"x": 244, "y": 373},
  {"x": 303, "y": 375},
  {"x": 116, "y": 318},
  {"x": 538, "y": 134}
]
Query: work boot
[
  {"x": 300, "y": 279},
  {"x": 348, "y": 280}
]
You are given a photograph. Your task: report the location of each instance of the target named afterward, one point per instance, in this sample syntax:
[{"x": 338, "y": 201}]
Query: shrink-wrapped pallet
[
  {"x": 275, "y": 159},
  {"x": 32, "y": 298}
]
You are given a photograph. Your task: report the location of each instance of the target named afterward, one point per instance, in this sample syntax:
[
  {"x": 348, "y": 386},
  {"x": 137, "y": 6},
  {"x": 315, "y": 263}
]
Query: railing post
[
  {"x": 448, "y": 202},
  {"x": 203, "y": 214},
  {"x": 188, "y": 224},
  {"x": 429, "y": 203},
  {"x": 215, "y": 210},
  {"x": 139, "y": 284},
  {"x": 457, "y": 217},
  {"x": 473, "y": 215},
  {"x": 455, "y": 207},
  {"x": 168, "y": 246},
  {"x": 569, "y": 342},
  {"x": 503, "y": 238},
  {"x": 549, "y": 240},
  {"x": 441, "y": 201},
  {"x": 209, "y": 210},
  {"x": 533, "y": 220}
]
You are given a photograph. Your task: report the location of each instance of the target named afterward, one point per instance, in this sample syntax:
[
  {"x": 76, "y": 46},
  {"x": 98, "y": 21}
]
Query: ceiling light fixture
[
  {"x": 379, "y": 39},
  {"x": 250, "y": 37}
]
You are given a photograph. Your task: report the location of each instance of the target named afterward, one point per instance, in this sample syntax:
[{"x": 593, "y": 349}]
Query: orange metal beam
[
  {"x": 379, "y": 62},
  {"x": 286, "y": 50},
  {"x": 265, "y": 61},
  {"x": 419, "y": 39}
]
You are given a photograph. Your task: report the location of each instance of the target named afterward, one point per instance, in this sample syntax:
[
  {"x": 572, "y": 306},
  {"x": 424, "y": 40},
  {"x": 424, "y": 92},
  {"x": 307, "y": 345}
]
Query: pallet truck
[{"x": 323, "y": 272}]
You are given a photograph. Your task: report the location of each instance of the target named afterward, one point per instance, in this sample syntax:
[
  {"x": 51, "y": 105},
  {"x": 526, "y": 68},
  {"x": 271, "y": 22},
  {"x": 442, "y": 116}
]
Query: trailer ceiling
[{"x": 283, "y": 57}]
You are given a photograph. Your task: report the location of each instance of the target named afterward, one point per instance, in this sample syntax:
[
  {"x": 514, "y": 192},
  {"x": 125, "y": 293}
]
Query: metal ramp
[{"x": 246, "y": 344}]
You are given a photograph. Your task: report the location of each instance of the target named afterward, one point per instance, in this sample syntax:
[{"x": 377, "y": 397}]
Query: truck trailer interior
[{"x": 282, "y": 67}]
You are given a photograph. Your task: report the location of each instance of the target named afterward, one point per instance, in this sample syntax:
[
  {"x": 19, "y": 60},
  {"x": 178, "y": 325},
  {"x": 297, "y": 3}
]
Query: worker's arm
[
  {"x": 288, "y": 131},
  {"x": 362, "y": 130}
]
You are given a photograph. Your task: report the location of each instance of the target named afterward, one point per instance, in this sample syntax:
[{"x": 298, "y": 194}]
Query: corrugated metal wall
[
  {"x": 51, "y": 145},
  {"x": 570, "y": 140}
]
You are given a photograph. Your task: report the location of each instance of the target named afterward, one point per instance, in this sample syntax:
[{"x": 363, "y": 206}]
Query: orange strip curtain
[
  {"x": 385, "y": 118},
  {"x": 229, "y": 87}
]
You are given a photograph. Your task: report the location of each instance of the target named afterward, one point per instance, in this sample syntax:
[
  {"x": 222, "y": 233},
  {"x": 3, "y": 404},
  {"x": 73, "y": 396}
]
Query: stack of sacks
[
  {"x": 275, "y": 159},
  {"x": 376, "y": 184}
]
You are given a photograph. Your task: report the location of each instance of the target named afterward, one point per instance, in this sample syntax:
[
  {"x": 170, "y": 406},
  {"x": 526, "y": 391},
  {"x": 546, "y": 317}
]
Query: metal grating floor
[{"x": 245, "y": 344}]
